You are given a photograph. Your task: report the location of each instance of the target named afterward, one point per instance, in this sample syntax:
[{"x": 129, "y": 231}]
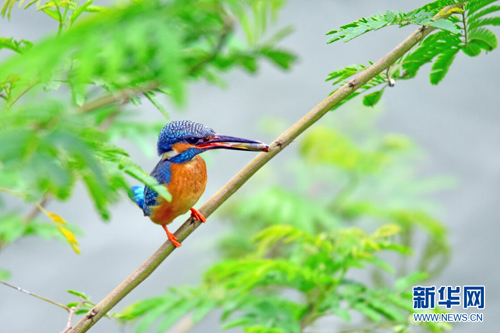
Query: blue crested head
[
  {"x": 180, "y": 141},
  {"x": 182, "y": 131}
]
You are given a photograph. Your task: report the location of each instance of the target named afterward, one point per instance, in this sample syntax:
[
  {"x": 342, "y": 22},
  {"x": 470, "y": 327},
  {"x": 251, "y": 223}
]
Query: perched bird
[{"x": 182, "y": 170}]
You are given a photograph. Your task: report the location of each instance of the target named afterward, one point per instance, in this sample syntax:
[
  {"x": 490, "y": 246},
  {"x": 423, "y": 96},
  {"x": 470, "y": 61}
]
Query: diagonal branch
[{"x": 96, "y": 313}]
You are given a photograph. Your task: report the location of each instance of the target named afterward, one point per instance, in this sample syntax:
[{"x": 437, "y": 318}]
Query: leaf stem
[
  {"x": 465, "y": 28},
  {"x": 137, "y": 277},
  {"x": 61, "y": 20}
]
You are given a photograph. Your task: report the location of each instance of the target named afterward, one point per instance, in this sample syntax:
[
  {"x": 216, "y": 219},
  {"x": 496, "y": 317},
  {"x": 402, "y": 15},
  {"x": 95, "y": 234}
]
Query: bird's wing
[{"x": 162, "y": 174}]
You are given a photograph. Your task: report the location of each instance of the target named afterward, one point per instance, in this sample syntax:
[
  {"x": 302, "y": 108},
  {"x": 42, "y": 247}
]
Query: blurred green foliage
[
  {"x": 291, "y": 256},
  {"x": 61, "y": 97}
]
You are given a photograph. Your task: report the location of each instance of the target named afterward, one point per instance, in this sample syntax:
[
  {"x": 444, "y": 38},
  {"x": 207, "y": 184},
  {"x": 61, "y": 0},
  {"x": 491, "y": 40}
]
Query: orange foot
[
  {"x": 197, "y": 215},
  {"x": 171, "y": 237}
]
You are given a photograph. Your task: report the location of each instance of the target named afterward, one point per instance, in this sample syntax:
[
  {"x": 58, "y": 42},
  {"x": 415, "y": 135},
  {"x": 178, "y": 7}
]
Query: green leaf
[
  {"x": 151, "y": 96},
  {"x": 175, "y": 313},
  {"x": 389, "y": 311},
  {"x": 151, "y": 316},
  {"x": 20, "y": 46},
  {"x": 7, "y": 8},
  {"x": 474, "y": 6},
  {"x": 381, "y": 263},
  {"x": 409, "y": 281},
  {"x": 138, "y": 309},
  {"x": 281, "y": 58},
  {"x": 445, "y": 25},
  {"x": 342, "y": 313},
  {"x": 53, "y": 13},
  {"x": 373, "y": 98},
  {"x": 442, "y": 65},
  {"x": 355, "y": 29},
  {"x": 203, "y": 309},
  {"x": 487, "y": 39},
  {"x": 472, "y": 49},
  {"x": 428, "y": 50},
  {"x": 401, "y": 301},
  {"x": 30, "y": 2},
  {"x": 486, "y": 11},
  {"x": 368, "y": 312},
  {"x": 493, "y": 21},
  {"x": 81, "y": 311},
  {"x": 240, "y": 321},
  {"x": 420, "y": 16},
  {"x": 345, "y": 73},
  {"x": 78, "y": 293},
  {"x": 4, "y": 275},
  {"x": 79, "y": 11},
  {"x": 72, "y": 304}
]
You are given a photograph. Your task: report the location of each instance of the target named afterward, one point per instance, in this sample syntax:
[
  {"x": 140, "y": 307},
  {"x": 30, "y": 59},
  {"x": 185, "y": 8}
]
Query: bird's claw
[
  {"x": 172, "y": 237},
  {"x": 197, "y": 215}
]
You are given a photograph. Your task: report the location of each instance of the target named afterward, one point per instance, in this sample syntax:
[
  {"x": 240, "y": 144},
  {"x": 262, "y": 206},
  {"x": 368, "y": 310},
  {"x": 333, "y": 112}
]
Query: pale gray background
[{"x": 458, "y": 128}]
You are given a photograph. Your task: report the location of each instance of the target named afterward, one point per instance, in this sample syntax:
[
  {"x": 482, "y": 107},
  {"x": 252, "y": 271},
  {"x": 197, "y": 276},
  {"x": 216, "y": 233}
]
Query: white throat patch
[{"x": 169, "y": 154}]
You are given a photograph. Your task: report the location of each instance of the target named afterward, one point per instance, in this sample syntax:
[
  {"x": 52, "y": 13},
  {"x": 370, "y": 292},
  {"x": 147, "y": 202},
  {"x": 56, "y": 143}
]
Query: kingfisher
[{"x": 183, "y": 171}]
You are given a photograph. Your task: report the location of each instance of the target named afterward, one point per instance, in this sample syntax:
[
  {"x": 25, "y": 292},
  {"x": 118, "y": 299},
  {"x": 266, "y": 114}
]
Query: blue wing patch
[
  {"x": 148, "y": 196},
  {"x": 137, "y": 195},
  {"x": 149, "y": 200}
]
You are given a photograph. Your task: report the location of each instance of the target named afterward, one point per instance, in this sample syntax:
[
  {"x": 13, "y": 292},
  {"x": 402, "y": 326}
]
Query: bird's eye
[{"x": 192, "y": 140}]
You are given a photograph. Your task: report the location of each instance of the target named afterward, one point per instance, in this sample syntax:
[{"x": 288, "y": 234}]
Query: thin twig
[
  {"x": 37, "y": 296},
  {"x": 36, "y": 210},
  {"x": 70, "y": 318},
  {"x": 239, "y": 179},
  {"x": 12, "y": 192},
  {"x": 121, "y": 96},
  {"x": 18, "y": 96},
  {"x": 464, "y": 20},
  {"x": 72, "y": 312}
]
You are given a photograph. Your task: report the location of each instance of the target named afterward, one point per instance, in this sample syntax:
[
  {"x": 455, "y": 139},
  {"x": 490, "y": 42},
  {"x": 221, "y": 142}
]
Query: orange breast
[{"x": 187, "y": 184}]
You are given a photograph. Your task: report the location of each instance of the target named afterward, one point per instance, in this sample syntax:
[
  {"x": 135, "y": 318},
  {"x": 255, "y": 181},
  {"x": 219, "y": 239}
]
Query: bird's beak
[{"x": 231, "y": 142}]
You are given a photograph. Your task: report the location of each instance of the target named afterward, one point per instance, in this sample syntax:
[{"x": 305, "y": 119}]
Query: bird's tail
[{"x": 137, "y": 195}]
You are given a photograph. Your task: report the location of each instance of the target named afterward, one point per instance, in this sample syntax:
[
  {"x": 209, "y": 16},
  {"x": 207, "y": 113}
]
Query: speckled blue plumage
[{"x": 177, "y": 131}]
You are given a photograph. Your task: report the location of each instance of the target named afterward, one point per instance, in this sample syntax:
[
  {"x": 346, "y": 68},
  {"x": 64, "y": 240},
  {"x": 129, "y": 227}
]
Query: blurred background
[{"x": 455, "y": 124}]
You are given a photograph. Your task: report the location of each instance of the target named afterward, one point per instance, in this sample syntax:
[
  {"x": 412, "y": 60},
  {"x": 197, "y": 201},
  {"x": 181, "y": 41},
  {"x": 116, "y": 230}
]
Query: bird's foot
[
  {"x": 197, "y": 215},
  {"x": 171, "y": 237}
]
